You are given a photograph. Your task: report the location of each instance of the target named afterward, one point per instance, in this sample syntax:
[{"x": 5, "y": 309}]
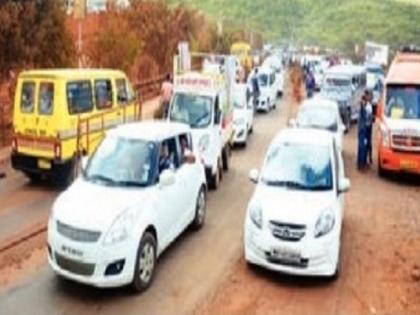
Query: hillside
[{"x": 334, "y": 23}]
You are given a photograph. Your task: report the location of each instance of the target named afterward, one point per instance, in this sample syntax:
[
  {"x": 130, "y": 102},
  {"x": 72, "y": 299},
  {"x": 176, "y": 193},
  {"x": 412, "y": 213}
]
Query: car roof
[
  {"x": 150, "y": 130},
  {"x": 320, "y": 102},
  {"x": 304, "y": 136},
  {"x": 404, "y": 69},
  {"x": 346, "y": 69}
]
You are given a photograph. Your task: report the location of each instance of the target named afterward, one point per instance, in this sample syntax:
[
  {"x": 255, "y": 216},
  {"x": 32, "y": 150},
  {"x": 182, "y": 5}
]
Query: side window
[
  {"x": 168, "y": 155},
  {"x": 46, "y": 98},
  {"x": 79, "y": 97},
  {"x": 27, "y": 97},
  {"x": 122, "y": 92},
  {"x": 103, "y": 94},
  {"x": 185, "y": 145}
]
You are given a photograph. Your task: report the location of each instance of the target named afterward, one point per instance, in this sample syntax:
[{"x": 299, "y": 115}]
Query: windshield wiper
[
  {"x": 102, "y": 178},
  {"x": 128, "y": 183},
  {"x": 197, "y": 121},
  {"x": 286, "y": 183}
]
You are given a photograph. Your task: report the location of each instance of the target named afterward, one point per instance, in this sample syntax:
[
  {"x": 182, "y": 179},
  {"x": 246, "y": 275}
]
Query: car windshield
[
  {"x": 194, "y": 110},
  {"x": 318, "y": 117},
  {"x": 298, "y": 166},
  {"x": 121, "y": 162},
  {"x": 403, "y": 101},
  {"x": 263, "y": 79}
]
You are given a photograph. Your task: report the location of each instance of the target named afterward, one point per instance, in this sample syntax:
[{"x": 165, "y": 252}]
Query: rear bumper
[
  {"x": 393, "y": 161},
  {"x": 30, "y": 164}
]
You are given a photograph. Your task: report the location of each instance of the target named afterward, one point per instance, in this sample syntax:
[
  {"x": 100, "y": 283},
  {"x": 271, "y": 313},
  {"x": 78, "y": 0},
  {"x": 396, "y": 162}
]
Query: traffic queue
[{"x": 141, "y": 184}]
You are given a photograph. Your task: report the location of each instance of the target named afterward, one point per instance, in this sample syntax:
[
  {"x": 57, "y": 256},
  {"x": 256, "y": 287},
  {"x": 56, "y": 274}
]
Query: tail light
[
  {"x": 57, "y": 150},
  {"x": 223, "y": 123},
  {"x": 14, "y": 144}
]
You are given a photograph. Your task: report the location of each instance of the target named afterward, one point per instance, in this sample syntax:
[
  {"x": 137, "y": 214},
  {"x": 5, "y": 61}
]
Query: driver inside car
[{"x": 165, "y": 161}]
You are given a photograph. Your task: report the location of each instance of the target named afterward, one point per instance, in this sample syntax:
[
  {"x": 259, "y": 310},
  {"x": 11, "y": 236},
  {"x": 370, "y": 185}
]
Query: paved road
[{"x": 189, "y": 270}]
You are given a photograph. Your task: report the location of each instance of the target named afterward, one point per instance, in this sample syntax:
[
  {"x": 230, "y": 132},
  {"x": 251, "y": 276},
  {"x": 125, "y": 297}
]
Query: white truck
[{"x": 203, "y": 100}]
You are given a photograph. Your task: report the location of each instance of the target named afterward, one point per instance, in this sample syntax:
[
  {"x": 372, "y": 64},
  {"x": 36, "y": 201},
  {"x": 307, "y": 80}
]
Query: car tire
[
  {"x": 145, "y": 263},
  {"x": 225, "y": 157},
  {"x": 200, "y": 210},
  {"x": 348, "y": 119},
  {"x": 214, "y": 180},
  {"x": 251, "y": 130},
  {"x": 383, "y": 173}
]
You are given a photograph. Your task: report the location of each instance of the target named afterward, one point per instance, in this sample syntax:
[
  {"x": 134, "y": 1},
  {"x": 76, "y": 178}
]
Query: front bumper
[
  {"x": 90, "y": 267},
  {"x": 398, "y": 161},
  {"x": 318, "y": 256}
]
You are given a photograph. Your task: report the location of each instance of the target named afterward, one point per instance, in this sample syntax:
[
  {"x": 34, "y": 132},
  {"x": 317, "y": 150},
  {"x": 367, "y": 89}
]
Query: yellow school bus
[
  {"x": 243, "y": 51},
  {"x": 61, "y": 114}
]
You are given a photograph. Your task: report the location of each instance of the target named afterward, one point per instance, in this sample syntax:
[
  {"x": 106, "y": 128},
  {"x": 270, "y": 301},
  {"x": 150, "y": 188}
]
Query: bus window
[
  {"x": 27, "y": 97},
  {"x": 103, "y": 94},
  {"x": 122, "y": 92},
  {"x": 46, "y": 98},
  {"x": 79, "y": 97}
]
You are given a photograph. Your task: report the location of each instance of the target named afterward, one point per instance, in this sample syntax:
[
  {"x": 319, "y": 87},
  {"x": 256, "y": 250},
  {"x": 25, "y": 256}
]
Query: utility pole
[{"x": 79, "y": 14}]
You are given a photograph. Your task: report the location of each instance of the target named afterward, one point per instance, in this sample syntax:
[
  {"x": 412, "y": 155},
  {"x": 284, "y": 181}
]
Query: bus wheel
[{"x": 34, "y": 177}]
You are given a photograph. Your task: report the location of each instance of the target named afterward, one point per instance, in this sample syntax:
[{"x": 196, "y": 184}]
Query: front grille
[
  {"x": 406, "y": 143},
  {"x": 74, "y": 266},
  {"x": 287, "y": 231},
  {"x": 78, "y": 235}
]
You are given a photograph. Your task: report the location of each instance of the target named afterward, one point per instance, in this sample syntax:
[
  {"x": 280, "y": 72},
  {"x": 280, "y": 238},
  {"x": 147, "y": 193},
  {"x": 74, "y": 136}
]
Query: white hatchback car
[
  {"x": 318, "y": 113},
  {"x": 294, "y": 218},
  {"x": 243, "y": 115},
  {"x": 138, "y": 192}
]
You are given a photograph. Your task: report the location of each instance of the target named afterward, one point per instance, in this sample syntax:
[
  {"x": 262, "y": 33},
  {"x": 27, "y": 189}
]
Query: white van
[
  {"x": 201, "y": 100},
  {"x": 268, "y": 89}
]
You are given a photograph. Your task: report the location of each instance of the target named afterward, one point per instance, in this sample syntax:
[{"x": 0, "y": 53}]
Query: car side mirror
[
  {"x": 342, "y": 128},
  {"x": 253, "y": 175},
  {"x": 292, "y": 122},
  {"x": 344, "y": 185},
  {"x": 167, "y": 178}
]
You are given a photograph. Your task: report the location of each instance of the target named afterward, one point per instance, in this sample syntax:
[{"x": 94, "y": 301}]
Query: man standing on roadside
[{"x": 166, "y": 94}]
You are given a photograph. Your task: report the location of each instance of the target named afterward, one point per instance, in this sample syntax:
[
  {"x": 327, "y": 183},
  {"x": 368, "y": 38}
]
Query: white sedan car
[
  {"x": 138, "y": 192},
  {"x": 318, "y": 113},
  {"x": 243, "y": 115},
  {"x": 294, "y": 218}
]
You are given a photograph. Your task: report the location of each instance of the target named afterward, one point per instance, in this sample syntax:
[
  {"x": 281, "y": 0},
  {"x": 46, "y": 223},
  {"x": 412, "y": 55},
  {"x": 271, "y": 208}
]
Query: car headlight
[
  {"x": 325, "y": 223},
  {"x": 255, "y": 214},
  {"x": 385, "y": 135},
  {"x": 121, "y": 228},
  {"x": 204, "y": 143},
  {"x": 239, "y": 121}
]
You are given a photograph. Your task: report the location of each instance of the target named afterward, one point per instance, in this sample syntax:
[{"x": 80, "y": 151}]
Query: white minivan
[
  {"x": 243, "y": 115},
  {"x": 141, "y": 188},
  {"x": 294, "y": 218}
]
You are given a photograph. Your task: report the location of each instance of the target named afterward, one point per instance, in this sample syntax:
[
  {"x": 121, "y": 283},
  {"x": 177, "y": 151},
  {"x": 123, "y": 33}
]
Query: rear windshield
[
  {"x": 46, "y": 98},
  {"x": 27, "y": 97},
  {"x": 79, "y": 97}
]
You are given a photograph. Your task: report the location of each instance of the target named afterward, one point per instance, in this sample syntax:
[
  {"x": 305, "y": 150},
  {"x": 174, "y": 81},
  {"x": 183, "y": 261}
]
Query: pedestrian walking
[
  {"x": 255, "y": 87},
  {"x": 362, "y": 135},
  {"x": 370, "y": 118}
]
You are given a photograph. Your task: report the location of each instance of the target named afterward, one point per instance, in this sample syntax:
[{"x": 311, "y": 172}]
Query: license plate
[
  {"x": 286, "y": 254},
  {"x": 69, "y": 251},
  {"x": 408, "y": 165},
  {"x": 44, "y": 164}
]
